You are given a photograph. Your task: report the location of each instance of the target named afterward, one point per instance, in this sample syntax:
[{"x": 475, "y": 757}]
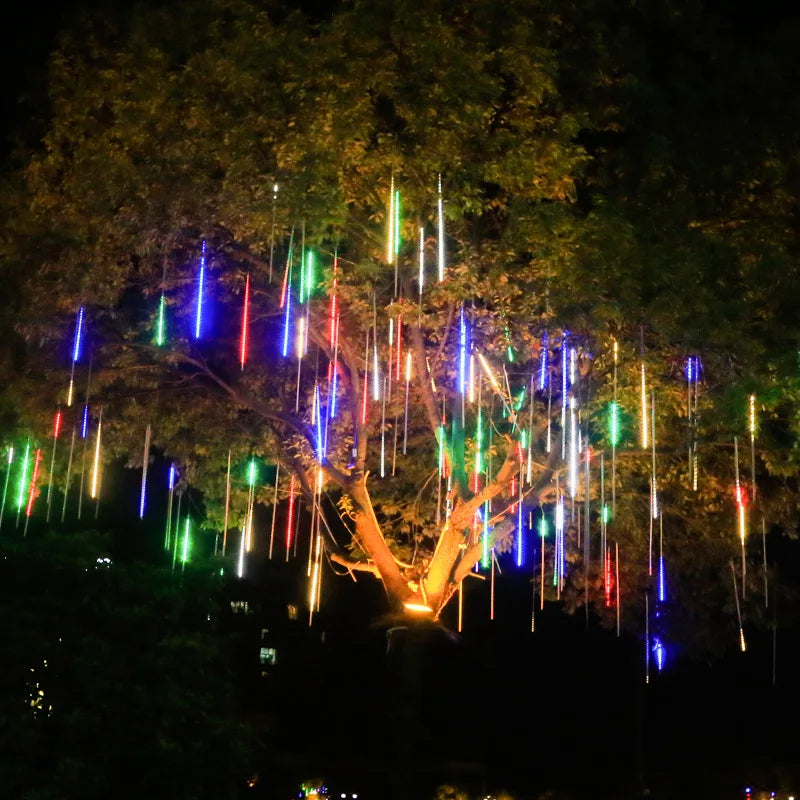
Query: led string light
[
  {"x": 398, "y": 351},
  {"x": 186, "y": 542},
  {"x": 57, "y": 424},
  {"x": 85, "y": 439},
  {"x": 243, "y": 339},
  {"x": 644, "y": 419},
  {"x": 390, "y": 222},
  {"x": 286, "y": 298},
  {"x": 32, "y": 488},
  {"x": 520, "y": 534},
  {"x": 274, "y": 510},
  {"x": 560, "y": 558},
  {"x": 616, "y": 582},
  {"x": 542, "y": 539},
  {"x": 94, "y": 490},
  {"x": 290, "y": 516},
  {"x": 587, "y": 551},
  {"x": 171, "y": 479},
  {"x": 376, "y": 375},
  {"x": 614, "y": 429},
  {"x": 741, "y": 502},
  {"x": 573, "y": 448},
  {"x": 752, "y": 427},
  {"x": 603, "y": 512},
  {"x": 742, "y": 643},
  {"x": 421, "y": 263},
  {"x": 201, "y": 282},
  {"x": 564, "y": 390},
  {"x": 543, "y": 363},
  {"x": 145, "y": 464},
  {"x": 662, "y": 578},
  {"x": 177, "y": 532},
  {"x": 365, "y": 394},
  {"x": 9, "y": 464},
  {"x": 272, "y": 231},
  {"x": 653, "y": 485},
  {"x": 23, "y": 479},
  {"x": 68, "y": 477},
  {"x": 227, "y": 505},
  {"x": 440, "y": 237},
  {"x": 405, "y": 411},
  {"x": 161, "y": 321},
  {"x": 77, "y": 348}
]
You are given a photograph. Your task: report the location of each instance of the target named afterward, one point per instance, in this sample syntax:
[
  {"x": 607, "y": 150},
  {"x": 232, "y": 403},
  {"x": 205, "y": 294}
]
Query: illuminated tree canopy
[{"x": 587, "y": 208}]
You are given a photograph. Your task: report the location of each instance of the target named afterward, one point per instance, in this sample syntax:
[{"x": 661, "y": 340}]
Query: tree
[
  {"x": 108, "y": 672},
  {"x": 260, "y": 143}
]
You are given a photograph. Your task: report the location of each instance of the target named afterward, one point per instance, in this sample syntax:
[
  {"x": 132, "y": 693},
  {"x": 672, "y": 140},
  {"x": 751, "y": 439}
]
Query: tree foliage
[
  {"x": 609, "y": 175},
  {"x": 108, "y": 671}
]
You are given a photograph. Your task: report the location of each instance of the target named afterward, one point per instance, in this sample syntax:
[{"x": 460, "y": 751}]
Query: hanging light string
[
  {"x": 286, "y": 298},
  {"x": 740, "y": 514},
  {"x": 421, "y": 264},
  {"x": 171, "y": 480},
  {"x": 32, "y": 489},
  {"x": 376, "y": 375},
  {"x": 85, "y": 437},
  {"x": 614, "y": 432},
  {"x": 227, "y": 505},
  {"x": 23, "y": 480},
  {"x": 272, "y": 231},
  {"x": 9, "y": 464},
  {"x": 94, "y": 490},
  {"x": 77, "y": 346},
  {"x": 201, "y": 280},
  {"x": 243, "y": 339},
  {"x": 145, "y": 463},
  {"x": 440, "y": 229},
  {"x": 405, "y": 410},
  {"x": 57, "y": 424},
  {"x": 742, "y": 644},
  {"x": 390, "y": 233},
  {"x": 68, "y": 477},
  {"x": 752, "y": 427}
]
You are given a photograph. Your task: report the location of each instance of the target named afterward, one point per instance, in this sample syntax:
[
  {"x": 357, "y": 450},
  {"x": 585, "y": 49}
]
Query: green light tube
[
  {"x": 161, "y": 321},
  {"x": 613, "y": 423},
  {"x": 396, "y": 222},
  {"x": 23, "y": 478},
  {"x": 185, "y": 551}
]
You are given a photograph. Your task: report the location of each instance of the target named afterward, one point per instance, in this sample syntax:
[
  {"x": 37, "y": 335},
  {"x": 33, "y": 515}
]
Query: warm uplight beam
[{"x": 418, "y": 608}]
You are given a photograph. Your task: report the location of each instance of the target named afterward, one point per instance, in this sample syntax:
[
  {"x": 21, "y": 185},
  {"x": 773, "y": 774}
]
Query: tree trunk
[{"x": 404, "y": 653}]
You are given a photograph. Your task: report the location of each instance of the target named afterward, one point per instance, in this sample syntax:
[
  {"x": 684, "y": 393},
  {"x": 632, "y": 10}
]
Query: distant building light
[
  {"x": 291, "y": 611},
  {"x": 268, "y": 655}
]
